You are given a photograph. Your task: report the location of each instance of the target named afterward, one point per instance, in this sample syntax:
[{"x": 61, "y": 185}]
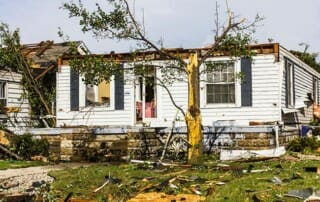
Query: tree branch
[
  {"x": 147, "y": 41},
  {"x": 171, "y": 97},
  {"x": 220, "y": 38}
]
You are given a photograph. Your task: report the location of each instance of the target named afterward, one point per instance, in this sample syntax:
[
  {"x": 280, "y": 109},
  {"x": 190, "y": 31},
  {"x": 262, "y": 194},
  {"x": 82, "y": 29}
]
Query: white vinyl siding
[
  {"x": 303, "y": 85},
  {"x": 13, "y": 96},
  {"x": 90, "y": 116},
  {"x": 265, "y": 98},
  {"x": 290, "y": 84}
]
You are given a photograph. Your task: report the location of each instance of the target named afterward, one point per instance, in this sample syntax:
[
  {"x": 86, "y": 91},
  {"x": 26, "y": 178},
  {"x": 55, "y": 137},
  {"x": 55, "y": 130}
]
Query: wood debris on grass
[{"x": 162, "y": 197}]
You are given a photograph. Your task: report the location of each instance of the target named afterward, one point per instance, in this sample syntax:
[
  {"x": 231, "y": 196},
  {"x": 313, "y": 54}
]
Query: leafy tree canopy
[{"x": 309, "y": 58}]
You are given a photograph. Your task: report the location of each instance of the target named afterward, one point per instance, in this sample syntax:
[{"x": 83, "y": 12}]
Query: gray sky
[{"x": 180, "y": 23}]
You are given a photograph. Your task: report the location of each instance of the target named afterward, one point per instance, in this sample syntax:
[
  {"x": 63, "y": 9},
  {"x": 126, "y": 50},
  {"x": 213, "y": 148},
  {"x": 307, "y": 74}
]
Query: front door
[{"x": 145, "y": 96}]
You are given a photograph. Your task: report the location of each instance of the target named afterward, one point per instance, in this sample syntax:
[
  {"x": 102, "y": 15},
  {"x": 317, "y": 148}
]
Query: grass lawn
[
  {"x": 6, "y": 164},
  {"x": 216, "y": 182}
]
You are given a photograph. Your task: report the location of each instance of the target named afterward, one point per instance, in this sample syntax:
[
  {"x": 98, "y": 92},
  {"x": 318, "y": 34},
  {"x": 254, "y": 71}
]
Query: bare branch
[
  {"x": 147, "y": 41},
  {"x": 171, "y": 97},
  {"x": 220, "y": 38}
]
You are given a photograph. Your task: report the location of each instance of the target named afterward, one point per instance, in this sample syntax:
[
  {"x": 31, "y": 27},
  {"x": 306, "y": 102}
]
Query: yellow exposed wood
[{"x": 193, "y": 116}]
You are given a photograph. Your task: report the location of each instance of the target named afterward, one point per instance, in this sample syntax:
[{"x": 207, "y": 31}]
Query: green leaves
[
  {"x": 95, "y": 69},
  {"x": 9, "y": 47},
  {"x": 112, "y": 22}
]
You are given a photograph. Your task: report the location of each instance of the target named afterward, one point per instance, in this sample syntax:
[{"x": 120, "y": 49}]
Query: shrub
[
  {"x": 26, "y": 146},
  {"x": 305, "y": 144}
]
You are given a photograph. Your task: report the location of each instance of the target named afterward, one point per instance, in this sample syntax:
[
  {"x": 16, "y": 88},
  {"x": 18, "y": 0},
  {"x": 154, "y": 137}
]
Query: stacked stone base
[{"x": 83, "y": 144}]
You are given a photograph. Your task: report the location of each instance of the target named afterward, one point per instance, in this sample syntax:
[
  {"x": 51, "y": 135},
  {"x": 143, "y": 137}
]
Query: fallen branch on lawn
[{"x": 7, "y": 151}]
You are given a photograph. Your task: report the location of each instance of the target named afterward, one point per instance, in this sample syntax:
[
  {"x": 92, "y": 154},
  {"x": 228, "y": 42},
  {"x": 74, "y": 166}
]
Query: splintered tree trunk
[{"x": 193, "y": 116}]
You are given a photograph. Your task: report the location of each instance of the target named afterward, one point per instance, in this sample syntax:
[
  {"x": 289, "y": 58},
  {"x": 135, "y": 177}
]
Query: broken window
[
  {"x": 3, "y": 94},
  {"x": 220, "y": 87},
  {"x": 98, "y": 95}
]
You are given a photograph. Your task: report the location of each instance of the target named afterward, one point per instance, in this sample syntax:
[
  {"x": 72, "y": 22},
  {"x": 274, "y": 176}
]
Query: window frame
[
  {"x": 5, "y": 89},
  {"x": 85, "y": 107},
  {"x": 290, "y": 96},
  {"x": 315, "y": 91},
  {"x": 237, "y": 83}
]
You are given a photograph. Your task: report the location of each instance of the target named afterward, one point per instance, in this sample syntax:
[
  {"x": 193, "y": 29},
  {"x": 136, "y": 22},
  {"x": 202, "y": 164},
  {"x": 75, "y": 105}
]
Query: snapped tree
[
  {"x": 38, "y": 92},
  {"x": 116, "y": 20}
]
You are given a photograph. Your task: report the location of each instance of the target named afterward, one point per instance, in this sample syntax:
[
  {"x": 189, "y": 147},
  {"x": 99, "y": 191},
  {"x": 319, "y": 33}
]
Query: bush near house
[
  {"x": 304, "y": 144},
  {"x": 26, "y": 146}
]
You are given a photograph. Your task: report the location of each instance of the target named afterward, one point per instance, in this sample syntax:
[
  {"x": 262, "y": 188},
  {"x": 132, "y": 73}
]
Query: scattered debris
[
  {"x": 256, "y": 171},
  {"x": 162, "y": 197},
  {"x": 165, "y": 183},
  {"x": 247, "y": 154},
  {"x": 39, "y": 158},
  {"x": 108, "y": 179},
  {"x": 210, "y": 191},
  {"x": 195, "y": 190},
  {"x": 259, "y": 197},
  {"x": 276, "y": 180},
  {"x": 308, "y": 194},
  {"x": 159, "y": 163},
  {"x": 220, "y": 183},
  {"x": 176, "y": 173},
  {"x": 312, "y": 169}
]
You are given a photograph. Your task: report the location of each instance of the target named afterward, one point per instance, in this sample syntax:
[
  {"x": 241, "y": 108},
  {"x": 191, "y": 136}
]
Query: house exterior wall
[
  {"x": 14, "y": 92},
  {"x": 265, "y": 96},
  {"x": 303, "y": 84},
  {"x": 90, "y": 116},
  {"x": 268, "y": 92},
  {"x": 266, "y": 84}
]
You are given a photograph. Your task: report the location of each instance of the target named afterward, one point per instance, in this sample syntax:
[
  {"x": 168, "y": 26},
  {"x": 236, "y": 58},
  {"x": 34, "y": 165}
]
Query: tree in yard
[
  {"x": 307, "y": 57},
  {"x": 116, "y": 20},
  {"x": 38, "y": 92}
]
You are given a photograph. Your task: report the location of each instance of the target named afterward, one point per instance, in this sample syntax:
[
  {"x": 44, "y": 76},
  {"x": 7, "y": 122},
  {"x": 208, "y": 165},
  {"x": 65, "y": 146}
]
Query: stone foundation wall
[
  {"x": 80, "y": 144},
  {"x": 84, "y": 145}
]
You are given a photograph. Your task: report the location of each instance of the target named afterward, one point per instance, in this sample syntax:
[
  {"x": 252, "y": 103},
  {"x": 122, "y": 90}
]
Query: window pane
[
  {"x": 221, "y": 84},
  {"x": 220, "y": 93},
  {"x": 2, "y": 89}
]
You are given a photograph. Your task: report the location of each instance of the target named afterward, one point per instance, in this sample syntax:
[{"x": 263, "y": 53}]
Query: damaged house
[
  {"x": 277, "y": 87},
  {"x": 17, "y": 112}
]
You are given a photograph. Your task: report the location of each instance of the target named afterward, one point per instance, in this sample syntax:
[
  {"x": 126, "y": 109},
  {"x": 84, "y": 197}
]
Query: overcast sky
[{"x": 180, "y": 23}]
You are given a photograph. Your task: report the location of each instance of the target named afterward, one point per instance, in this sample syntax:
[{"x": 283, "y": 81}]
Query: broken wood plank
[{"x": 99, "y": 188}]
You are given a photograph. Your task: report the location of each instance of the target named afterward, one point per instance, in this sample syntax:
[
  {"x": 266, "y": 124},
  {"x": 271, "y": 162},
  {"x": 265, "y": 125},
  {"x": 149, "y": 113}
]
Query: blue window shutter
[
  {"x": 119, "y": 91},
  {"x": 246, "y": 82},
  {"x": 74, "y": 90}
]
